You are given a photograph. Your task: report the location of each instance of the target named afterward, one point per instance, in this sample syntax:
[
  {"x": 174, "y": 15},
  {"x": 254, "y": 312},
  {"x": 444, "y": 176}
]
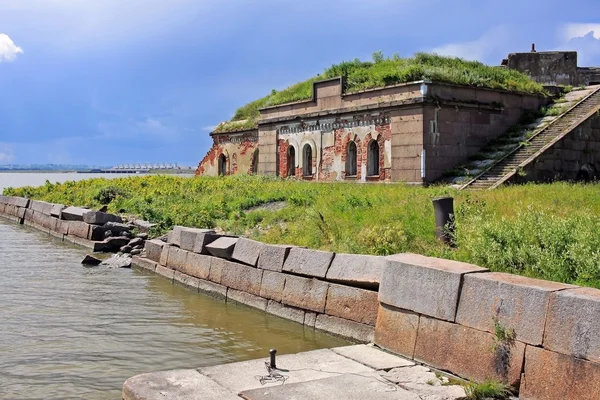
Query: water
[
  {"x": 19, "y": 179},
  {"x": 67, "y": 331}
]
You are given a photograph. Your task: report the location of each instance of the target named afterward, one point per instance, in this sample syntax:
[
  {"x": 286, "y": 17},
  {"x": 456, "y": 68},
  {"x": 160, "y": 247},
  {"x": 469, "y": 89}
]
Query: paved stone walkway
[{"x": 353, "y": 372}]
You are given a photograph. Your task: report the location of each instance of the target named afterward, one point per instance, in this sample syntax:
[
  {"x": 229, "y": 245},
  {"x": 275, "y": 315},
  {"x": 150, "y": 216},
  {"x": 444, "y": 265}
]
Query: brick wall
[{"x": 238, "y": 149}]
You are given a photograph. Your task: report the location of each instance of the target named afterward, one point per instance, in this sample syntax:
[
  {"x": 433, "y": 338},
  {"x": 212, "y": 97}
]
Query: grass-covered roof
[{"x": 384, "y": 71}]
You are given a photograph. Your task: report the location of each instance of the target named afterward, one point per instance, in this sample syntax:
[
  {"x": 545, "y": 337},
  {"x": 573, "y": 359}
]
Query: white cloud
[
  {"x": 150, "y": 128},
  {"x": 492, "y": 42},
  {"x": 6, "y": 154},
  {"x": 8, "y": 49},
  {"x": 583, "y": 38},
  {"x": 575, "y": 30}
]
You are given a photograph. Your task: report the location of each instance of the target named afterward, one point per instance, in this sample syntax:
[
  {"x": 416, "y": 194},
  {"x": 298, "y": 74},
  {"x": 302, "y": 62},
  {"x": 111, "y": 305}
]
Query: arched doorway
[
  {"x": 222, "y": 165},
  {"x": 291, "y": 161},
  {"x": 373, "y": 158},
  {"x": 255, "y": 162},
  {"x": 351, "y": 155},
  {"x": 307, "y": 159}
]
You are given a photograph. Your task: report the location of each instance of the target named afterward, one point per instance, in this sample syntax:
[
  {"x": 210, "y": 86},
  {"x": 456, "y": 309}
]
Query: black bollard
[
  {"x": 444, "y": 218},
  {"x": 272, "y": 352}
]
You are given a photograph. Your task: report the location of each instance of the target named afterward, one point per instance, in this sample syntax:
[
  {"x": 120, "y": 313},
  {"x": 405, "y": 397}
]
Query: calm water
[
  {"x": 19, "y": 179},
  {"x": 67, "y": 331}
]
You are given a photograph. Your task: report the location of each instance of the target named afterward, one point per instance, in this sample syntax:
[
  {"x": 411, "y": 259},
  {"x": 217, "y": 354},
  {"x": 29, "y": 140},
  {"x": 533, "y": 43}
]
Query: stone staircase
[{"x": 531, "y": 148}]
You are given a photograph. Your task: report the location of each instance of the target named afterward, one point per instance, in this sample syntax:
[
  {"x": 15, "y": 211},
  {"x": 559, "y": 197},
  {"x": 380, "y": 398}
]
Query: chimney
[{"x": 533, "y": 47}]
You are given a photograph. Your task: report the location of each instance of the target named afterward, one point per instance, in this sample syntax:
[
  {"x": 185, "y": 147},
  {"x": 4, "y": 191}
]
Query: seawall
[{"x": 539, "y": 336}]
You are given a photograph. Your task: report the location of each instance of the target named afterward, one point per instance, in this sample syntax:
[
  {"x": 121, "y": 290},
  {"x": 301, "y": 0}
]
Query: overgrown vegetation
[
  {"x": 487, "y": 390},
  {"x": 544, "y": 231},
  {"x": 385, "y": 71}
]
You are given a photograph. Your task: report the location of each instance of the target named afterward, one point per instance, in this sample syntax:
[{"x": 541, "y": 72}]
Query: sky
[{"x": 104, "y": 82}]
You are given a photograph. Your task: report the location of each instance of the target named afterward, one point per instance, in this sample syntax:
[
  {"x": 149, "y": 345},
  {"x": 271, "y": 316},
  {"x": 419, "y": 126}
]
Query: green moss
[{"x": 382, "y": 71}]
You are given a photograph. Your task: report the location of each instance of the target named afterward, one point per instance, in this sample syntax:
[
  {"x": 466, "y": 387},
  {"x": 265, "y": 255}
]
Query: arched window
[
  {"x": 255, "y": 162},
  {"x": 291, "y": 161},
  {"x": 351, "y": 159},
  {"x": 373, "y": 158},
  {"x": 222, "y": 165},
  {"x": 307, "y": 160}
]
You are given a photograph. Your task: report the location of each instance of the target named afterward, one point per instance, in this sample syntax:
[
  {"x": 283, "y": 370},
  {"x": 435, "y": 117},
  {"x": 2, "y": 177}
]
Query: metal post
[
  {"x": 273, "y": 352},
  {"x": 444, "y": 218}
]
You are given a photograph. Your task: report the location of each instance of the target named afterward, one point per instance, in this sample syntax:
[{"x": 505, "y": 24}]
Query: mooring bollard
[
  {"x": 273, "y": 352},
  {"x": 444, "y": 218}
]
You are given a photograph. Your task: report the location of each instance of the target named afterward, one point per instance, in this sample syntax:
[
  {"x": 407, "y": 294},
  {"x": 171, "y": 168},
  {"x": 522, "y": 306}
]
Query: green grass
[
  {"x": 545, "y": 231},
  {"x": 384, "y": 71},
  {"x": 487, "y": 390}
]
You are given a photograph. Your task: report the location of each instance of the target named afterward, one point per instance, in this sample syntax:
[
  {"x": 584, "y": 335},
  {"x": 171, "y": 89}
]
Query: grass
[
  {"x": 545, "y": 231},
  {"x": 385, "y": 71},
  {"x": 487, "y": 390}
]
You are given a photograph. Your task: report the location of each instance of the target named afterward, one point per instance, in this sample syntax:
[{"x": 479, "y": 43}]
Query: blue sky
[{"x": 111, "y": 81}]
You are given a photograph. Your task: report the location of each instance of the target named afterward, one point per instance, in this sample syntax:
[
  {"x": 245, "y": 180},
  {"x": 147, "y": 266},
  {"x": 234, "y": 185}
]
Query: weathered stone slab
[
  {"x": 89, "y": 244},
  {"x": 242, "y": 277},
  {"x": 203, "y": 240},
  {"x": 143, "y": 263},
  {"x": 198, "y": 265},
  {"x": 283, "y": 311},
  {"x": 100, "y": 218},
  {"x": 247, "y": 299},
  {"x": 343, "y": 327},
  {"x": 187, "y": 237},
  {"x": 217, "y": 266},
  {"x": 425, "y": 383},
  {"x": 96, "y": 233},
  {"x": 21, "y": 212},
  {"x": 222, "y": 247},
  {"x": 351, "y": 303},
  {"x": 164, "y": 254},
  {"x": 313, "y": 263},
  {"x": 185, "y": 384},
  {"x": 62, "y": 227},
  {"x": 18, "y": 201},
  {"x": 573, "y": 323},
  {"x": 515, "y": 302},
  {"x": 357, "y": 269},
  {"x": 212, "y": 289},
  {"x": 310, "y": 319},
  {"x": 247, "y": 251},
  {"x": 166, "y": 272},
  {"x": 143, "y": 226},
  {"x": 56, "y": 210},
  {"x": 396, "y": 330},
  {"x": 177, "y": 259},
  {"x": 347, "y": 387},
  {"x": 372, "y": 357},
  {"x": 468, "y": 352},
  {"x": 42, "y": 207},
  {"x": 188, "y": 281},
  {"x": 79, "y": 229},
  {"x": 306, "y": 366},
  {"x": 305, "y": 293},
  {"x": 425, "y": 285},
  {"x": 553, "y": 376},
  {"x": 272, "y": 285},
  {"x": 272, "y": 257},
  {"x": 154, "y": 249},
  {"x": 73, "y": 213}
]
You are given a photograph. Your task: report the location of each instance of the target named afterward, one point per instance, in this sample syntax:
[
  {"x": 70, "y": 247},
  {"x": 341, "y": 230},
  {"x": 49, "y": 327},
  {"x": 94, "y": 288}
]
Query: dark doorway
[
  {"x": 351, "y": 159},
  {"x": 291, "y": 161},
  {"x": 373, "y": 158},
  {"x": 307, "y": 160},
  {"x": 222, "y": 165}
]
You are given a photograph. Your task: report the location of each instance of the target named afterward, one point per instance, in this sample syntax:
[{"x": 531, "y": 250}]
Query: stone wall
[
  {"x": 538, "y": 336},
  {"x": 239, "y": 150},
  {"x": 547, "y": 67},
  {"x": 575, "y": 156}
]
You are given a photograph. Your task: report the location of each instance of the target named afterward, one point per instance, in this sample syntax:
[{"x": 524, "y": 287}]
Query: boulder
[
  {"x": 117, "y": 227},
  {"x": 136, "y": 252},
  {"x": 73, "y": 213},
  {"x": 126, "y": 249},
  {"x": 143, "y": 236},
  {"x": 91, "y": 260},
  {"x": 118, "y": 261},
  {"x": 222, "y": 247},
  {"x": 100, "y": 218},
  {"x": 116, "y": 242},
  {"x": 136, "y": 241},
  {"x": 143, "y": 226}
]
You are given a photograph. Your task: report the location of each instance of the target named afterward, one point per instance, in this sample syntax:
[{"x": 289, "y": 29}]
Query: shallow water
[{"x": 67, "y": 331}]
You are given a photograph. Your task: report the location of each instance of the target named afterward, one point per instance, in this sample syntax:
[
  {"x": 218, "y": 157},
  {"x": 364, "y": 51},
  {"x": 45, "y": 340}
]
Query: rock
[
  {"x": 116, "y": 242},
  {"x": 143, "y": 236},
  {"x": 313, "y": 263},
  {"x": 91, "y": 260},
  {"x": 73, "y": 213},
  {"x": 136, "y": 252},
  {"x": 154, "y": 249},
  {"x": 357, "y": 269},
  {"x": 247, "y": 251},
  {"x": 138, "y": 247},
  {"x": 222, "y": 247},
  {"x": 117, "y": 226},
  {"x": 136, "y": 241},
  {"x": 100, "y": 218},
  {"x": 118, "y": 261},
  {"x": 143, "y": 226},
  {"x": 108, "y": 234},
  {"x": 126, "y": 249}
]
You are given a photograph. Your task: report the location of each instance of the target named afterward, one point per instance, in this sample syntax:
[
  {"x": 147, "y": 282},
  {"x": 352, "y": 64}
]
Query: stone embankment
[{"x": 540, "y": 337}]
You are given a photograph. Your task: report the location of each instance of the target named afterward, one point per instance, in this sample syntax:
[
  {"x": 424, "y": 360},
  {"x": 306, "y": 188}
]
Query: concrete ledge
[
  {"x": 573, "y": 323},
  {"x": 144, "y": 263},
  {"x": 166, "y": 272},
  {"x": 247, "y": 299},
  {"x": 425, "y": 285},
  {"x": 357, "y": 270},
  {"x": 552, "y": 376},
  {"x": 516, "y": 302},
  {"x": 305, "y": 293},
  {"x": 283, "y": 311},
  {"x": 312, "y": 263},
  {"x": 355, "y": 304},
  {"x": 184, "y": 384},
  {"x": 347, "y": 329},
  {"x": 396, "y": 330},
  {"x": 467, "y": 352}
]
